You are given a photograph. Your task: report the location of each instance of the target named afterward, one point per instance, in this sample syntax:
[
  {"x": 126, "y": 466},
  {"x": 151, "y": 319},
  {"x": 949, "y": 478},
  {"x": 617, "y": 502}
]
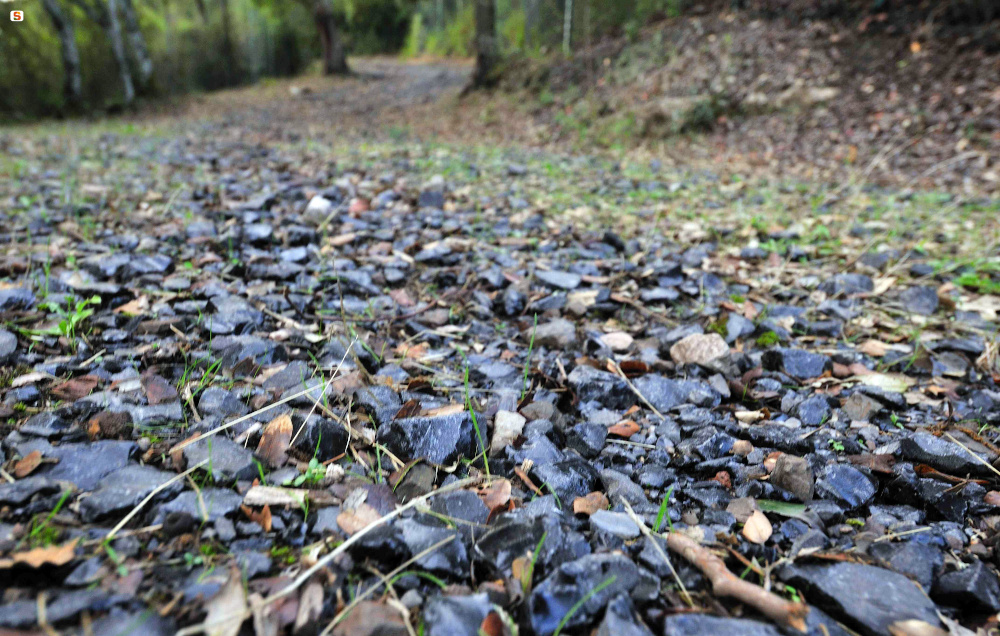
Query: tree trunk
[
  {"x": 487, "y": 52},
  {"x": 334, "y": 55},
  {"x": 228, "y": 49},
  {"x": 568, "y": 28},
  {"x": 137, "y": 42},
  {"x": 72, "y": 80},
  {"x": 114, "y": 32},
  {"x": 530, "y": 24}
]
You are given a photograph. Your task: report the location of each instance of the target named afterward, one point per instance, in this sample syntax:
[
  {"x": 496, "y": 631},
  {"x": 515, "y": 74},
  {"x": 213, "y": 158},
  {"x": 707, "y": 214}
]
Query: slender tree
[
  {"x": 137, "y": 43},
  {"x": 72, "y": 80},
  {"x": 567, "y": 43},
  {"x": 334, "y": 55},
  {"x": 106, "y": 16},
  {"x": 487, "y": 49}
]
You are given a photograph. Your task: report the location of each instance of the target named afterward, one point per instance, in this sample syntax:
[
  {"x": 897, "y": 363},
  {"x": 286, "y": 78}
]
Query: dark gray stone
[
  {"x": 846, "y": 485},
  {"x": 125, "y": 488},
  {"x": 441, "y": 440},
  {"x": 920, "y": 300},
  {"x": 456, "y": 615},
  {"x": 973, "y": 586},
  {"x": 865, "y": 598}
]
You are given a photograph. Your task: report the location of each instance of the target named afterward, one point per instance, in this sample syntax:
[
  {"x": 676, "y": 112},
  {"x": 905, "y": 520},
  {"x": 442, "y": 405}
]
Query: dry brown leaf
[
  {"x": 750, "y": 417},
  {"x": 227, "y": 608},
  {"x": 757, "y": 528},
  {"x": 135, "y": 307},
  {"x": 495, "y": 495},
  {"x": 590, "y": 504},
  {"x": 625, "y": 428},
  {"x": 310, "y": 606},
  {"x": 353, "y": 520},
  {"x": 55, "y": 555},
  {"x": 262, "y": 518},
  {"x": 409, "y": 409},
  {"x": 274, "y": 442},
  {"x": 913, "y": 627},
  {"x": 368, "y": 618},
  {"x": 873, "y": 348},
  {"x": 27, "y": 464},
  {"x": 73, "y": 390},
  {"x": 447, "y": 409},
  {"x": 492, "y": 625}
]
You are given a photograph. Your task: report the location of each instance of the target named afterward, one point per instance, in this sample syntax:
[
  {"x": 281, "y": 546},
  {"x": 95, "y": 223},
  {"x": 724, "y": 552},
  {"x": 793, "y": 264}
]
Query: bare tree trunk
[
  {"x": 114, "y": 32},
  {"x": 228, "y": 49},
  {"x": 334, "y": 55},
  {"x": 487, "y": 51},
  {"x": 72, "y": 80},
  {"x": 530, "y": 23},
  {"x": 106, "y": 16},
  {"x": 138, "y": 44},
  {"x": 568, "y": 28}
]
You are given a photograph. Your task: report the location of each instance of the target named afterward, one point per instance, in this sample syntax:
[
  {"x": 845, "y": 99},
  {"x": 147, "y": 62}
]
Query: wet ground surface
[{"x": 256, "y": 381}]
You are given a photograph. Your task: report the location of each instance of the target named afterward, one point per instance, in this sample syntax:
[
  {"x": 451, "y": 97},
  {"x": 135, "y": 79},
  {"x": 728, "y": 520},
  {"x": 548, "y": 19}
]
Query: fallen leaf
[
  {"x": 30, "y": 378},
  {"x": 447, "y": 409},
  {"x": 590, "y": 504},
  {"x": 492, "y": 625},
  {"x": 750, "y": 417},
  {"x": 634, "y": 368},
  {"x": 742, "y": 508},
  {"x": 55, "y": 555},
  {"x": 262, "y": 518},
  {"x": 354, "y": 519},
  {"x": 757, "y": 528},
  {"x": 274, "y": 442},
  {"x": 409, "y": 409},
  {"x": 73, "y": 390},
  {"x": 893, "y": 382},
  {"x": 992, "y": 498},
  {"x": 495, "y": 495},
  {"x": 617, "y": 340},
  {"x": 158, "y": 390},
  {"x": 27, "y": 464},
  {"x": 368, "y": 618},
  {"x": 310, "y": 607},
  {"x": 275, "y": 496},
  {"x": 227, "y": 608},
  {"x": 914, "y": 627},
  {"x": 136, "y": 307},
  {"x": 625, "y": 428},
  {"x": 873, "y": 348}
]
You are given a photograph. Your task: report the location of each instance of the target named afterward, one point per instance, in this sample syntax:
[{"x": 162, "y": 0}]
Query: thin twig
[
  {"x": 725, "y": 583},
  {"x": 249, "y": 416},
  {"x": 385, "y": 580},
  {"x": 333, "y": 554},
  {"x": 642, "y": 397},
  {"x": 685, "y": 595},
  {"x": 149, "y": 497},
  {"x": 974, "y": 456}
]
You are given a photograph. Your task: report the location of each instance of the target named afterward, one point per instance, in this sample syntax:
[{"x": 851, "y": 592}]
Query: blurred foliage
[{"x": 187, "y": 47}]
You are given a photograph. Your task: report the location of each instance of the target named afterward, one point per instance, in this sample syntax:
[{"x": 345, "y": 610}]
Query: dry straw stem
[
  {"x": 333, "y": 554},
  {"x": 321, "y": 388},
  {"x": 725, "y": 583},
  {"x": 974, "y": 456},
  {"x": 149, "y": 497}
]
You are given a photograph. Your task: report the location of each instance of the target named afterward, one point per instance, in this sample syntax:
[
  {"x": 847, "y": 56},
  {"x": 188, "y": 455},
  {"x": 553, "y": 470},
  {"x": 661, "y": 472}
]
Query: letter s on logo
[{"x": 17, "y": 16}]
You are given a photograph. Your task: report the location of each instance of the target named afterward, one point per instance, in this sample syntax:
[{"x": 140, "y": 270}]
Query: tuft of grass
[
  {"x": 475, "y": 421},
  {"x": 527, "y": 362},
  {"x": 586, "y": 597},
  {"x": 42, "y": 534},
  {"x": 662, "y": 514},
  {"x": 529, "y": 572},
  {"x": 768, "y": 339}
]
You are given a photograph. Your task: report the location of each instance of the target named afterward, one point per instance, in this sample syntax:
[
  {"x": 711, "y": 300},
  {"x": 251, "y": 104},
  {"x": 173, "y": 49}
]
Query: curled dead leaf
[
  {"x": 261, "y": 518},
  {"x": 354, "y": 519},
  {"x": 54, "y": 555},
  {"x": 496, "y": 495},
  {"x": 590, "y": 504},
  {"x": 757, "y": 528},
  {"x": 275, "y": 440},
  {"x": 27, "y": 464},
  {"x": 625, "y": 428}
]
